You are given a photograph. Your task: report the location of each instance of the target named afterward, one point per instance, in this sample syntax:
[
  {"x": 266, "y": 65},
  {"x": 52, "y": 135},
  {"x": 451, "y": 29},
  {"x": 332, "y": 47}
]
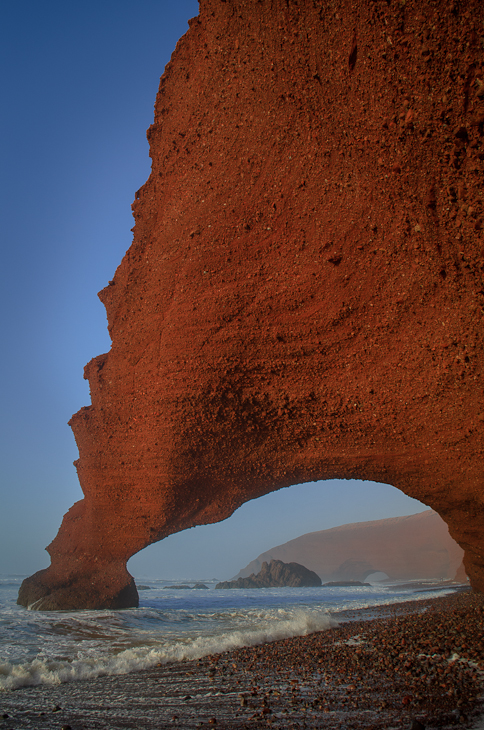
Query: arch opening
[{"x": 340, "y": 529}]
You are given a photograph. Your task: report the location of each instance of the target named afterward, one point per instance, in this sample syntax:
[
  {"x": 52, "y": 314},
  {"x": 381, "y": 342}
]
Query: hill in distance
[{"x": 416, "y": 547}]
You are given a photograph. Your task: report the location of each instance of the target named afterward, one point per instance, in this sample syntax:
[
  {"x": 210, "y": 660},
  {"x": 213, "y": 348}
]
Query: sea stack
[
  {"x": 276, "y": 574},
  {"x": 303, "y": 298}
]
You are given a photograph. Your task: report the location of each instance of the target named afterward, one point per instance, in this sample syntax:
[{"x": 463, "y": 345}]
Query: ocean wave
[
  {"x": 10, "y": 581},
  {"x": 54, "y": 671},
  {"x": 358, "y": 605}
]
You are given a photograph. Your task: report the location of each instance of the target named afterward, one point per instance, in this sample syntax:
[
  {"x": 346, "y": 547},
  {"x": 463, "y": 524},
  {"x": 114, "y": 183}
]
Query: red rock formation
[
  {"x": 303, "y": 296},
  {"x": 405, "y": 548}
]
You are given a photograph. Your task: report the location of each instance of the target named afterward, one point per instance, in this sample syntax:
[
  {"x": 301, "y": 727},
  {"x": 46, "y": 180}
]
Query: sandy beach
[{"x": 414, "y": 665}]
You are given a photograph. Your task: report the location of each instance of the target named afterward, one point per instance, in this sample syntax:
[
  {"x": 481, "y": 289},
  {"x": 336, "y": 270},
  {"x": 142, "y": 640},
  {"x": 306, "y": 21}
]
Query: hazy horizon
[
  {"x": 78, "y": 96},
  {"x": 266, "y": 522}
]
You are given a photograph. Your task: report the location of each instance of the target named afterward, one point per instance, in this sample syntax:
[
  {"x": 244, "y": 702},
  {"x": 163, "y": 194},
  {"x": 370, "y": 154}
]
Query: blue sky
[{"x": 78, "y": 86}]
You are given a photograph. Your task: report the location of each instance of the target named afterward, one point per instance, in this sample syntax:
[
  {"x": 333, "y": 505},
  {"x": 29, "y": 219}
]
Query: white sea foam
[
  {"x": 170, "y": 625},
  {"x": 54, "y": 671}
]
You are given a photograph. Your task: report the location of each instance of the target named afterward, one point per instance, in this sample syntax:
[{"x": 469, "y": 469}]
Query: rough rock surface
[
  {"x": 276, "y": 574},
  {"x": 405, "y": 548},
  {"x": 303, "y": 297}
]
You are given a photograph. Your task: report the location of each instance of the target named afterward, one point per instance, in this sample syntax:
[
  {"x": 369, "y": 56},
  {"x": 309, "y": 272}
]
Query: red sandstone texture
[
  {"x": 405, "y": 548},
  {"x": 303, "y": 297}
]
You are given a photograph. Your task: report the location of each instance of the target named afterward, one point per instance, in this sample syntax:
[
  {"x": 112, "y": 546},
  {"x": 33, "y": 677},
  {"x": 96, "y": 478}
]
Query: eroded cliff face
[
  {"x": 417, "y": 547},
  {"x": 303, "y": 297}
]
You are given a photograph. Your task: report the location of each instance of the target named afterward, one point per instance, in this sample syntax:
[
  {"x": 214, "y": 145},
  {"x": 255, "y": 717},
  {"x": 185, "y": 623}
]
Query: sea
[{"x": 171, "y": 624}]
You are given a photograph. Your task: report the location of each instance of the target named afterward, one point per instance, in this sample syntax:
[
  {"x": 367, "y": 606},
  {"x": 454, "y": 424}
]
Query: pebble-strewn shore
[{"x": 417, "y": 665}]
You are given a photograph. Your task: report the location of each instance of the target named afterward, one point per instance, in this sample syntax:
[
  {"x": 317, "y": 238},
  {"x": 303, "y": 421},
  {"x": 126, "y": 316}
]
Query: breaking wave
[
  {"x": 54, "y": 671},
  {"x": 49, "y": 648}
]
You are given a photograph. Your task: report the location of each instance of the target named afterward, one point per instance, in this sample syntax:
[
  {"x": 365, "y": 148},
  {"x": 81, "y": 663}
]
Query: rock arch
[{"x": 303, "y": 297}]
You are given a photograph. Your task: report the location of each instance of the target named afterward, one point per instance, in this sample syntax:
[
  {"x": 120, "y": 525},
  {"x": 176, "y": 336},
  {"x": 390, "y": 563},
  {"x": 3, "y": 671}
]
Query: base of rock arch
[{"x": 304, "y": 294}]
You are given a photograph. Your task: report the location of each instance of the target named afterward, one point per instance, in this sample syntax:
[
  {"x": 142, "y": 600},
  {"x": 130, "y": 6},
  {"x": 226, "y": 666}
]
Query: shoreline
[{"x": 390, "y": 667}]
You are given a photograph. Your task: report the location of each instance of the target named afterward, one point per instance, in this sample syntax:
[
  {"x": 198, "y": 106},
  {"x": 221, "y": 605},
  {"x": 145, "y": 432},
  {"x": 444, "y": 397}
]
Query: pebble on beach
[{"x": 417, "y": 665}]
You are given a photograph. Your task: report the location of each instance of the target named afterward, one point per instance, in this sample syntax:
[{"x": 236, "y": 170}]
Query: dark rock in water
[
  {"x": 276, "y": 574},
  {"x": 346, "y": 583},
  {"x": 201, "y": 586},
  {"x": 144, "y": 588}
]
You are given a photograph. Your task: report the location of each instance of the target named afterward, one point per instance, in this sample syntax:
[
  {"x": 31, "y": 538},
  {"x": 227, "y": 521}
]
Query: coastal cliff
[
  {"x": 303, "y": 297},
  {"x": 417, "y": 547}
]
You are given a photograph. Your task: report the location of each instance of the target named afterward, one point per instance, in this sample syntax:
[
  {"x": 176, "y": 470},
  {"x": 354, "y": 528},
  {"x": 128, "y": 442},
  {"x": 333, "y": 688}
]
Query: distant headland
[{"x": 415, "y": 547}]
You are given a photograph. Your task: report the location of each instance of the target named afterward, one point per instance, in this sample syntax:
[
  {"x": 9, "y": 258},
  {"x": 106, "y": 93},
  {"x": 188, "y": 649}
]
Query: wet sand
[{"x": 416, "y": 665}]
